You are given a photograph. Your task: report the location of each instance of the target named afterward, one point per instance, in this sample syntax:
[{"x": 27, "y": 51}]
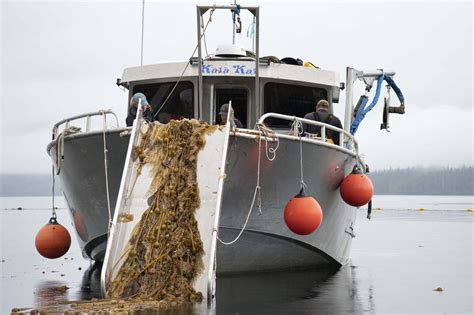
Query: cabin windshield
[
  {"x": 180, "y": 103},
  {"x": 238, "y": 97},
  {"x": 292, "y": 100}
]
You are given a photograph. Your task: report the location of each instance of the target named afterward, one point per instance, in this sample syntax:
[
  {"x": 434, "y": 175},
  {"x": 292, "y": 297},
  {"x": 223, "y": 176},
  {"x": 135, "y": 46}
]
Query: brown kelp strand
[{"x": 164, "y": 253}]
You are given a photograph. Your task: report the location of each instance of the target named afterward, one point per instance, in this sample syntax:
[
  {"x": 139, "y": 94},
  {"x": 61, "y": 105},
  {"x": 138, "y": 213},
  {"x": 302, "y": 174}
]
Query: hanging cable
[
  {"x": 53, "y": 215},
  {"x": 204, "y": 37},
  {"x": 186, "y": 67},
  {"x": 106, "y": 172},
  {"x": 256, "y": 196},
  {"x": 269, "y": 134},
  {"x": 300, "y": 134}
]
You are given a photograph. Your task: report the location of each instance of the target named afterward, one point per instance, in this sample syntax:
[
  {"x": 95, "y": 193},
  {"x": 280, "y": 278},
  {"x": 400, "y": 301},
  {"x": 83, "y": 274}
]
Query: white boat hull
[{"x": 266, "y": 244}]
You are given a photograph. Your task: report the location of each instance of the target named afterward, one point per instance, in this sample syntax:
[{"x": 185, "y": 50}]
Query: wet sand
[{"x": 398, "y": 260}]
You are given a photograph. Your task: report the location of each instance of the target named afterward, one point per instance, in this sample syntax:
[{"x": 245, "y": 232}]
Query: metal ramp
[{"x": 132, "y": 202}]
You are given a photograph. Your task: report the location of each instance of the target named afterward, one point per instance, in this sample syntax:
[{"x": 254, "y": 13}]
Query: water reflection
[
  {"x": 90, "y": 286},
  {"x": 49, "y": 292},
  {"x": 304, "y": 292},
  {"x": 328, "y": 290},
  {"x": 259, "y": 291}
]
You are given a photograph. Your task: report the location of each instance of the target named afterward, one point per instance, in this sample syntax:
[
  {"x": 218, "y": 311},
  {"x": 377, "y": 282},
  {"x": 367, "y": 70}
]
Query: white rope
[
  {"x": 106, "y": 172},
  {"x": 297, "y": 128},
  {"x": 60, "y": 146},
  {"x": 203, "y": 36},
  {"x": 186, "y": 67},
  {"x": 273, "y": 136},
  {"x": 59, "y": 152},
  {"x": 303, "y": 185},
  {"x": 54, "y": 208},
  {"x": 255, "y": 194}
]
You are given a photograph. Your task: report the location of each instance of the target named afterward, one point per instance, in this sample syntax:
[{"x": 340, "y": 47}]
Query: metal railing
[
  {"x": 346, "y": 140},
  {"x": 66, "y": 122}
]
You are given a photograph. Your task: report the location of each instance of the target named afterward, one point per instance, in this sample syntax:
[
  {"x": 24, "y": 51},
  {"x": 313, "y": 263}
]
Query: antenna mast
[{"x": 143, "y": 30}]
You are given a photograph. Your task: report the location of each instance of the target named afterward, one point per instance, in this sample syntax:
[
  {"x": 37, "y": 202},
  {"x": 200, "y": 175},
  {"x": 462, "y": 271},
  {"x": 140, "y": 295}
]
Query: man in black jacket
[{"x": 322, "y": 114}]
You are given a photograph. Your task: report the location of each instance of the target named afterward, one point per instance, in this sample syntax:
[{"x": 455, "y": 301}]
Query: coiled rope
[
  {"x": 59, "y": 156},
  {"x": 269, "y": 134}
]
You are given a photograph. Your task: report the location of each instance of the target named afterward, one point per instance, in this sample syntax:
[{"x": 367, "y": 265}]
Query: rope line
[
  {"x": 256, "y": 196},
  {"x": 297, "y": 128},
  {"x": 269, "y": 134},
  {"x": 59, "y": 153},
  {"x": 60, "y": 146},
  {"x": 204, "y": 37},
  {"x": 54, "y": 208},
  {"x": 106, "y": 172},
  {"x": 303, "y": 185},
  {"x": 186, "y": 67}
]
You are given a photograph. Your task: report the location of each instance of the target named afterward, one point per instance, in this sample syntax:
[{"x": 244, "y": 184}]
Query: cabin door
[{"x": 239, "y": 98}]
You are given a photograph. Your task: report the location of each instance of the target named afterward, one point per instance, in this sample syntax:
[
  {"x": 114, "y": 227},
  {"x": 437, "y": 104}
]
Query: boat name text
[{"x": 236, "y": 69}]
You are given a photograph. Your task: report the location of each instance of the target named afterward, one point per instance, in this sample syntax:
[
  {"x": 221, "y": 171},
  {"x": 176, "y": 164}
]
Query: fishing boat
[{"x": 264, "y": 164}]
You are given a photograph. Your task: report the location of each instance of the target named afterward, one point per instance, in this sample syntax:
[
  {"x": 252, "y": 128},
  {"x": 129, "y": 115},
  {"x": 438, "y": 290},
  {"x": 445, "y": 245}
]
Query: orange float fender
[
  {"x": 356, "y": 189},
  {"x": 303, "y": 214},
  {"x": 53, "y": 240}
]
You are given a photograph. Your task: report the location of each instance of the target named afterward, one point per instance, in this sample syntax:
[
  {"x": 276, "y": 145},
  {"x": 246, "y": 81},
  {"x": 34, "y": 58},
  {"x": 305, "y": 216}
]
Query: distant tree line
[
  {"x": 424, "y": 181},
  {"x": 400, "y": 181},
  {"x": 28, "y": 185}
]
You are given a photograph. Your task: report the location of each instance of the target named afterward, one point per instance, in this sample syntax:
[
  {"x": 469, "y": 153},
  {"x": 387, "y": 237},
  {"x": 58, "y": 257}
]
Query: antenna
[
  {"x": 233, "y": 22},
  {"x": 143, "y": 30}
]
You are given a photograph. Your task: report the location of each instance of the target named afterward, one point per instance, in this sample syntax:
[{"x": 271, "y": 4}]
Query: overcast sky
[{"x": 60, "y": 59}]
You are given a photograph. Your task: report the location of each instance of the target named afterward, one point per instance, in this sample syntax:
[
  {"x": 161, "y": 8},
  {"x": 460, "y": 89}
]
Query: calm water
[{"x": 398, "y": 258}]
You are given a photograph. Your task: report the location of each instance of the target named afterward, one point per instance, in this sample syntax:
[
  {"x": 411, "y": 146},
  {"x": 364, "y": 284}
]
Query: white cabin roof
[{"x": 234, "y": 68}]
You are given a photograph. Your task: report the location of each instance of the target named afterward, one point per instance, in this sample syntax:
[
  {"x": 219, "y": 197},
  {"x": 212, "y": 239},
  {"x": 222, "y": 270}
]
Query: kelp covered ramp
[{"x": 162, "y": 241}]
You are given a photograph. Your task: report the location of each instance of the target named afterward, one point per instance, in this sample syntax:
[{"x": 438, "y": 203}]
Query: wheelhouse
[{"x": 284, "y": 89}]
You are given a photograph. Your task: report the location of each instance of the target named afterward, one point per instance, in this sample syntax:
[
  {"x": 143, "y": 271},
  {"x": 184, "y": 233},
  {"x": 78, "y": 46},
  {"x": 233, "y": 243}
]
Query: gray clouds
[{"x": 62, "y": 59}]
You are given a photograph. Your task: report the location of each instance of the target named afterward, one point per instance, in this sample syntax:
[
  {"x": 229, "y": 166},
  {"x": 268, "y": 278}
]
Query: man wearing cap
[
  {"x": 322, "y": 114},
  {"x": 132, "y": 111},
  {"x": 223, "y": 114}
]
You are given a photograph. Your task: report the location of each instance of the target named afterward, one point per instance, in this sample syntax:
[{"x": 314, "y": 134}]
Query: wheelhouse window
[
  {"x": 292, "y": 100},
  {"x": 238, "y": 97},
  {"x": 166, "y": 103}
]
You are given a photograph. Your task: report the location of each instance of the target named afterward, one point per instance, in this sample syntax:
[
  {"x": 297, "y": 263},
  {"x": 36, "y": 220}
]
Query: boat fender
[
  {"x": 53, "y": 240},
  {"x": 356, "y": 189},
  {"x": 303, "y": 214}
]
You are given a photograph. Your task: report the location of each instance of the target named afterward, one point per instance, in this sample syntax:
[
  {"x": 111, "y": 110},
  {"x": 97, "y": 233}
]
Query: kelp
[{"x": 164, "y": 253}]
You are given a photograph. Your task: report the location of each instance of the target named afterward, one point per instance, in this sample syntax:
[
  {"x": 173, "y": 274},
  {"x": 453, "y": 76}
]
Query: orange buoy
[
  {"x": 356, "y": 189},
  {"x": 303, "y": 214},
  {"x": 53, "y": 240}
]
